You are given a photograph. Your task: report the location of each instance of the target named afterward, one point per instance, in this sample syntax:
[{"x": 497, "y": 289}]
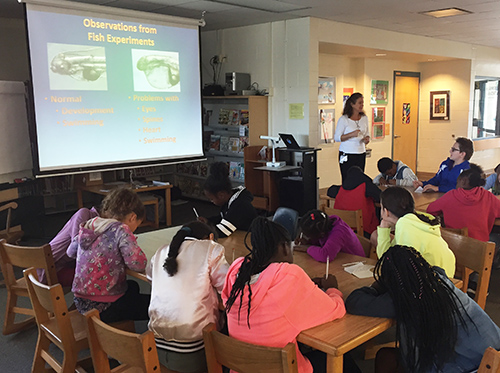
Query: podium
[{"x": 294, "y": 185}]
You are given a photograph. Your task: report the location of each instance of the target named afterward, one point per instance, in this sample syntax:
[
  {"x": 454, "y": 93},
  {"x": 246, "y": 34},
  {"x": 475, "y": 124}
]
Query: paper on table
[
  {"x": 419, "y": 190},
  {"x": 360, "y": 270}
]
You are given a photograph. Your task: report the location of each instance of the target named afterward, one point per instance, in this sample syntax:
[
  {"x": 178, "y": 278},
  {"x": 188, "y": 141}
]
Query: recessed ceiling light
[
  {"x": 380, "y": 54},
  {"x": 448, "y": 12}
]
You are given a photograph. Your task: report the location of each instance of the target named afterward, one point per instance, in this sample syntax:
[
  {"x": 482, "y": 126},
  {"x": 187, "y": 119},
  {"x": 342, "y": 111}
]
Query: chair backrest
[
  {"x": 460, "y": 231},
  {"x": 245, "y": 357},
  {"x": 370, "y": 251},
  {"x": 26, "y": 257},
  {"x": 475, "y": 255},
  {"x": 490, "y": 362},
  {"x": 10, "y": 233},
  {"x": 130, "y": 349},
  {"x": 354, "y": 219},
  {"x": 48, "y": 303},
  {"x": 288, "y": 218}
]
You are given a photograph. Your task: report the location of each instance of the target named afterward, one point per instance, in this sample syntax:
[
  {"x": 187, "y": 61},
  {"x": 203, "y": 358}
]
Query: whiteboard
[{"x": 15, "y": 151}]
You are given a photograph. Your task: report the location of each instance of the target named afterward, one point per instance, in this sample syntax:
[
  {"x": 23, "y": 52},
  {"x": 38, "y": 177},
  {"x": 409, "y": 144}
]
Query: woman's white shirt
[{"x": 354, "y": 145}]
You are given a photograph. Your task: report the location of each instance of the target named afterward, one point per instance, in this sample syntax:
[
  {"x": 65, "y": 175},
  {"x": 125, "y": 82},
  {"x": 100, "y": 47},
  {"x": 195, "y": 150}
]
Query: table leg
[
  {"x": 334, "y": 364},
  {"x": 168, "y": 206},
  {"x": 79, "y": 196}
]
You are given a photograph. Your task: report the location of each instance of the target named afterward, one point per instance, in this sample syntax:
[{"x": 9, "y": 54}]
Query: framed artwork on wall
[
  {"x": 326, "y": 125},
  {"x": 326, "y": 90},
  {"x": 380, "y": 92},
  {"x": 440, "y": 105},
  {"x": 346, "y": 93},
  {"x": 378, "y": 115},
  {"x": 378, "y": 131}
]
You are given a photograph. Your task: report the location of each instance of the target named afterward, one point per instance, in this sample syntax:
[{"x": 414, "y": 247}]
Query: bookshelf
[{"x": 230, "y": 123}]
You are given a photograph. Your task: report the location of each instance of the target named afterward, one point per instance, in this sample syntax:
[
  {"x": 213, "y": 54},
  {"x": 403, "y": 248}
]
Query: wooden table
[
  {"x": 104, "y": 189},
  {"x": 334, "y": 338}
]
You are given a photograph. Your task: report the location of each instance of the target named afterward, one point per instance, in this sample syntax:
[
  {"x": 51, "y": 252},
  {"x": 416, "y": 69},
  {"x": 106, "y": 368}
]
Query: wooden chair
[
  {"x": 490, "y": 362},
  {"x": 56, "y": 325},
  {"x": 461, "y": 272},
  {"x": 135, "y": 352},
  {"x": 370, "y": 250},
  {"x": 474, "y": 255},
  {"x": 10, "y": 234},
  {"x": 353, "y": 218},
  {"x": 245, "y": 357},
  {"x": 24, "y": 257}
]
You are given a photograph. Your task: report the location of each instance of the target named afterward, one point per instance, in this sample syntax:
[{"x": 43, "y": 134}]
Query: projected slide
[{"x": 110, "y": 91}]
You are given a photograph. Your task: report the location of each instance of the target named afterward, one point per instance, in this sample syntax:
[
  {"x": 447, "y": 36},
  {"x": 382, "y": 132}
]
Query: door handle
[{"x": 397, "y": 136}]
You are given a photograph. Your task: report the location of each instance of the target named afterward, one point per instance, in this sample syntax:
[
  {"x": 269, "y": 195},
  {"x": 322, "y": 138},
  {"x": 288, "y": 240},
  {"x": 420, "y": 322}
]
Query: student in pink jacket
[{"x": 269, "y": 300}]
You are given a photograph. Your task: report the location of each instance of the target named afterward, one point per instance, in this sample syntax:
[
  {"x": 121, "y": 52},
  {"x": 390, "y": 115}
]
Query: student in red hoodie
[
  {"x": 269, "y": 299},
  {"x": 470, "y": 205}
]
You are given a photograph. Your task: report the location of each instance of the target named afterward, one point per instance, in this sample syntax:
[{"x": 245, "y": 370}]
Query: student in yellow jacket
[{"x": 419, "y": 230}]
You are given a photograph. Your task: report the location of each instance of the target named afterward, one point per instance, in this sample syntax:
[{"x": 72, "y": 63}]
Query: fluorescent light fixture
[
  {"x": 380, "y": 54},
  {"x": 447, "y": 12}
]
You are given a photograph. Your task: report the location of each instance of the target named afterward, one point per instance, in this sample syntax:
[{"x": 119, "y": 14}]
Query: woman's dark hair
[
  {"x": 121, "y": 202},
  {"x": 266, "y": 238},
  {"x": 218, "y": 179},
  {"x": 466, "y": 146},
  {"x": 497, "y": 171},
  {"x": 474, "y": 175},
  {"x": 195, "y": 229},
  {"x": 400, "y": 202},
  {"x": 427, "y": 310},
  {"x": 351, "y": 101},
  {"x": 315, "y": 224}
]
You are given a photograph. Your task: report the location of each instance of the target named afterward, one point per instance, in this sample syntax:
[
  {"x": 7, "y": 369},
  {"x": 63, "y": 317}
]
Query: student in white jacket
[
  {"x": 394, "y": 173},
  {"x": 186, "y": 278}
]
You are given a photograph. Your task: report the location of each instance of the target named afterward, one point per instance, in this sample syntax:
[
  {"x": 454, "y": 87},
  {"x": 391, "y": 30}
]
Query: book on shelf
[
  {"x": 244, "y": 117},
  {"x": 224, "y": 144},
  {"x": 236, "y": 170},
  {"x": 215, "y": 142},
  {"x": 234, "y": 144},
  {"x": 243, "y": 130},
  {"x": 235, "y": 117},
  {"x": 224, "y": 117},
  {"x": 244, "y": 142}
]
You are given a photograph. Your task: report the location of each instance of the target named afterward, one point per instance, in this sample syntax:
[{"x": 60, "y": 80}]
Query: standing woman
[{"x": 353, "y": 134}]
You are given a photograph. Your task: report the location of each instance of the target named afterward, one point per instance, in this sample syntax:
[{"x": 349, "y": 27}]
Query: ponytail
[
  {"x": 431, "y": 220},
  {"x": 315, "y": 224},
  {"x": 195, "y": 229}
]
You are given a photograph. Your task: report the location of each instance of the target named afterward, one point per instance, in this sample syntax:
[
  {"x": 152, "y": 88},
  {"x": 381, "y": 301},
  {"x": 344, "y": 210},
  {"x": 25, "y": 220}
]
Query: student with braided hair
[
  {"x": 419, "y": 230},
  {"x": 327, "y": 236},
  {"x": 439, "y": 328},
  {"x": 269, "y": 299},
  {"x": 186, "y": 278},
  {"x": 236, "y": 209}
]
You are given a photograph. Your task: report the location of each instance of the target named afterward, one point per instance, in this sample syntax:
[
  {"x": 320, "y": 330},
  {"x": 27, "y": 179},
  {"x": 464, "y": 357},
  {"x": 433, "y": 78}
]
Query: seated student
[
  {"x": 65, "y": 266},
  {"x": 469, "y": 205},
  {"x": 493, "y": 183},
  {"x": 186, "y": 278},
  {"x": 327, "y": 236},
  {"x": 237, "y": 211},
  {"x": 440, "y": 329},
  {"x": 421, "y": 231},
  {"x": 394, "y": 173},
  {"x": 268, "y": 299},
  {"x": 104, "y": 248},
  {"x": 358, "y": 192},
  {"x": 458, "y": 161}
]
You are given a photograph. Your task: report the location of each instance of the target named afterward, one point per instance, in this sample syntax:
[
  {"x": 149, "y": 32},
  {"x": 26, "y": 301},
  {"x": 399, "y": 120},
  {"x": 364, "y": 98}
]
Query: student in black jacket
[{"x": 237, "y": 211}]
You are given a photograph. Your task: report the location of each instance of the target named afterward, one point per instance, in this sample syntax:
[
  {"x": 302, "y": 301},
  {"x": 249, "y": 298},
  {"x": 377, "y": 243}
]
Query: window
[{"x": 485, "y": 121}]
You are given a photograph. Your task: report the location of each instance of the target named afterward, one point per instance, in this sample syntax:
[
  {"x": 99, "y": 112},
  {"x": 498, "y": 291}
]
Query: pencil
[
  {"x": 196, "y": 213},
  {"x": 327, "y": 266}
]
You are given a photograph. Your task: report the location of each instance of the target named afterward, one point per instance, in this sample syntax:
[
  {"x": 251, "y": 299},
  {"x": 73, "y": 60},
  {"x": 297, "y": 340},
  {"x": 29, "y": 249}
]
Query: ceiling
[{"x": 481, "y": 27}]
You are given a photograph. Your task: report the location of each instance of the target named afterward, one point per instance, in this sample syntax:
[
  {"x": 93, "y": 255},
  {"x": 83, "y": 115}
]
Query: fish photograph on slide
[{"x": 156, "y": 71}]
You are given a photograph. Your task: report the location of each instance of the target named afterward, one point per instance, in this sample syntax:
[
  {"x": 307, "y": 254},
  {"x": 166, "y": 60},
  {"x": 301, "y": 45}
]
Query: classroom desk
[
  {"x": 334, "y": 338},
  {"x": 104, "y": 189}
]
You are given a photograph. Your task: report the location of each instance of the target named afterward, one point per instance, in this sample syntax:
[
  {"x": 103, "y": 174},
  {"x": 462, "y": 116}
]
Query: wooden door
[{"x": 405, "y": 128}]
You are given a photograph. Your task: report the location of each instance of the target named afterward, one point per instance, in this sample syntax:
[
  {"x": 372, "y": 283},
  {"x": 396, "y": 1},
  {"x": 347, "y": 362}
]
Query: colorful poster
[
  {"x": 347, "y": 92},
  {"x": 326, "y": 90},
  {"x": 406, "y": 113},
  {"x": 326, "y": 125},
  {"x": 380, "y": 92}
]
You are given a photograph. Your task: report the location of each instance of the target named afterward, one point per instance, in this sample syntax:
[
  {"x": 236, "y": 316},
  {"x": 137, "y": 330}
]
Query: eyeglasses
[{"x": 455, "y": 150}]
